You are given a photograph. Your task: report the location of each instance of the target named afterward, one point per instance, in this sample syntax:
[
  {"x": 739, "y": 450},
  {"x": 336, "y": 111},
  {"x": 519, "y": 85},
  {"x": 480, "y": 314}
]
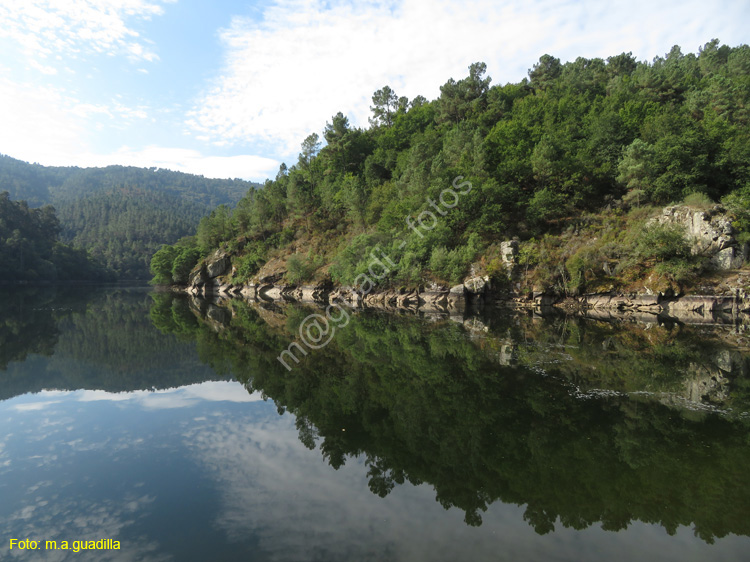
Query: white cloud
[
  {"x": 34, "y": 406},
  {"x": 286, "y": 74},
  {"x": 43, "y": 28},
  {"x": 37, "y": 121},
  {"x": 53, "y": 127},
  {"x": 245, "y": 166},
  {"x": 184, "y": 396}
]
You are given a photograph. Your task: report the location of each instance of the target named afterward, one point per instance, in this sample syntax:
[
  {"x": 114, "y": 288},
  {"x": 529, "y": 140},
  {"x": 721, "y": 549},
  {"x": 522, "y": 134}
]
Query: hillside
[
  {"x": 30, "y": 250},
  {"x": 122, "y": 215},
  {"x": 572, "y": 162}
]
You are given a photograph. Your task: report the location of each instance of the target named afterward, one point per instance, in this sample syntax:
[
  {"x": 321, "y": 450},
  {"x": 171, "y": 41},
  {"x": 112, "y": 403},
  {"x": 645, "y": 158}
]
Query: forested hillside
[
  {"x": 30, "y": 250},
  {"x": 122, "y": 215},
  {"x": 589, "y": 146}
]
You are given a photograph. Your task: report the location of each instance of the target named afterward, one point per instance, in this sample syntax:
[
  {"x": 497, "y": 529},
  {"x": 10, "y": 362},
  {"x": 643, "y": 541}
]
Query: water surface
[{"x": 171, "y": 426}]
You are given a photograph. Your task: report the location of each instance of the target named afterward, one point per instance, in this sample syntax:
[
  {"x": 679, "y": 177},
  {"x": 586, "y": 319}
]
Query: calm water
[{"x": 170, "y": 426}]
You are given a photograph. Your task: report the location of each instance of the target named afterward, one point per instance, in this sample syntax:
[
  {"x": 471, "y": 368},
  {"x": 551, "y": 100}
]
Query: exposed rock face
[
  {"x": 477, "y": 285},
  {"x": 710, "y": 233},
  {"x": 730, "y": 258},
  {"x": 311, "y": 293},
  {"x": 478, "y": 281},
  {"x": 217, "y": 264},
  {"x": 272, "y": 271},
  {"x": 198, "y": 276},
  {"x": 509, "y": 254}
]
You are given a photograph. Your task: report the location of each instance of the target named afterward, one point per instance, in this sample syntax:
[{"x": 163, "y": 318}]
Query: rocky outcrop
[
  {"x": 710, "y": 233},
  {"x": 217, "y": 264},
  {"x": 509, "y": 255},
  {"x": 478, "y": 282}
]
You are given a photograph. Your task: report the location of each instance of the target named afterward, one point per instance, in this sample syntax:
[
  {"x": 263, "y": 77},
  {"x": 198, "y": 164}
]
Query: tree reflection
[
  {"x": 433, "y": 402},
  {"x": 95, "y": 339}
]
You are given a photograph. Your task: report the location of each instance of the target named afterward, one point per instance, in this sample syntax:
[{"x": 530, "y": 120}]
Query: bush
[
  {"x": 546, "y": 205},
  {"x": 680, "y": 270},
  {"x": 451, "y": 265},
  {"x": 161, "y": 265},
  {"x": 662, "y": 242},
  {"x": 300, "y": 270},
  {"x": 698, "y": 200},
  {"x": 248, "y": 264},
  {"x": 738, "y": 203},
  {"x": 184, "y": 262}
]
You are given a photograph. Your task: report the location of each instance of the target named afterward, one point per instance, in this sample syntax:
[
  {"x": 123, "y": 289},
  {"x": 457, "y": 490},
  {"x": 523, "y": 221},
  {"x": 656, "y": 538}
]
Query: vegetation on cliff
[{"x": 575, "y": 146}]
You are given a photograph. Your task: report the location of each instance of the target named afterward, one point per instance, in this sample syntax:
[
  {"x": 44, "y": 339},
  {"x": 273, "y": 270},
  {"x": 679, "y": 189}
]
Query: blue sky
[{"x": 230, "y": 89}]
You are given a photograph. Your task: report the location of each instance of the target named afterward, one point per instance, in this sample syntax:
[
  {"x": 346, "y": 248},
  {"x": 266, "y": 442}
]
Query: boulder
[
  {"x": 477, "y": 285},
  {"x": 271, "y": 278},
  {"x": 198, "y": 276},
  {"x": 729, "y": 258},
  {"x": 709, "y": 232},
  {"x": 458, "y": 290},
  {"x": 217, "y": 264},
  {"x": 249, "y": 291}
]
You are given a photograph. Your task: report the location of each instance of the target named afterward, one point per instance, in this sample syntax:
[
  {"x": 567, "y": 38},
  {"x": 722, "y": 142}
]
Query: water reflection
[
  {"x": 130, "y": 425},
  {"x": 219, "y": 479},
  {"x": 581, "y": 423},
  {"x": 90, "y": 338}
]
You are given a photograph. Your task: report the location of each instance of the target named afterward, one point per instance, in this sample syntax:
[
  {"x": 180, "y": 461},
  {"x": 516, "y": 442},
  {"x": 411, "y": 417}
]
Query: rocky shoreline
[
  {"x": 710, "y": 232},
  {"x": 463, "y": 300}
]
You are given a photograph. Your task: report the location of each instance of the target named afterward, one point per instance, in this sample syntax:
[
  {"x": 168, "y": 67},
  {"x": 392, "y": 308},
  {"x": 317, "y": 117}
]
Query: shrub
[
  {"x": 248, "y": 264},
  {"x": 662, "y": 242},
  {"x": 698, "y": 200},
  {"x": 738, "y": 203},
  {"x": 545, "y": 205},
  {"x": 300, "y": 269}
]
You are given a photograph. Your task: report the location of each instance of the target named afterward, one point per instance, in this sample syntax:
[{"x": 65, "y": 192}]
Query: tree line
[{"x": 570, "y": 138}]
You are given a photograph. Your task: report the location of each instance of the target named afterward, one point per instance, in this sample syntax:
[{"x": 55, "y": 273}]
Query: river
[{"x": 171, "y": 426}]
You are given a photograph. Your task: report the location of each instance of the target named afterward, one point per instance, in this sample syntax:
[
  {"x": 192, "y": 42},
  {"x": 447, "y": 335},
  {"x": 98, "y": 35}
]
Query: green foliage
[
  {"x": 249, "y": 263},
  {"x": 184, "y": 262},
  {"x": 452, "y": 265},
  {"x": 120, "y": 215},
  {"x": 30, "y": 250},
  {"x": 301, "y": 269},
  {"x": 173, "y": 264},
  {"x": 738, "y": 203},
  {"x": 572, "y": 139},
  {"x": 698, "y": 201},
  {"x": 545, "y": 205},
  {"x": 662, "y": 243},
  {"x": 161, "y": 265}
]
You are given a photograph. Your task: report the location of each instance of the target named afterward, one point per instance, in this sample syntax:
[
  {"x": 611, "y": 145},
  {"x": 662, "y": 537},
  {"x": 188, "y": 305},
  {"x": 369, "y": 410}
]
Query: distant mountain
[{"x": 122, "y": 215}]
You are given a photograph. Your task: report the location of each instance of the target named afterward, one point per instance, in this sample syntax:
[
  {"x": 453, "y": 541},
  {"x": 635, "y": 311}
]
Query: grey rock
[
  {"x": 477, "y": 285},
  {"x": 218, "y": 264}
]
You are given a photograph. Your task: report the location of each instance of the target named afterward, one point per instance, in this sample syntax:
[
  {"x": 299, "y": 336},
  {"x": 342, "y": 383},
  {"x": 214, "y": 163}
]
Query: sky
[{"x": 231, "y": 89}]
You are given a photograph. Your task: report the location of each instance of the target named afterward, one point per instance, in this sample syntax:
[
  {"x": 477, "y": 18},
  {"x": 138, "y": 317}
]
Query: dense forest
[
  {"x": 588, "y": 148},
  {"x": 30, "y": 250},
  {"x": 121, "y": 215}
]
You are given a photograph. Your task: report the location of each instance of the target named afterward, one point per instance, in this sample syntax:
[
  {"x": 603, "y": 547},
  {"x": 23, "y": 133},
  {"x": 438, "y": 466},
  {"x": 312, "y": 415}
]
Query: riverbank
[
  {"x": 466, "y": 299},
  {"x": 682, "y": 261}
]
